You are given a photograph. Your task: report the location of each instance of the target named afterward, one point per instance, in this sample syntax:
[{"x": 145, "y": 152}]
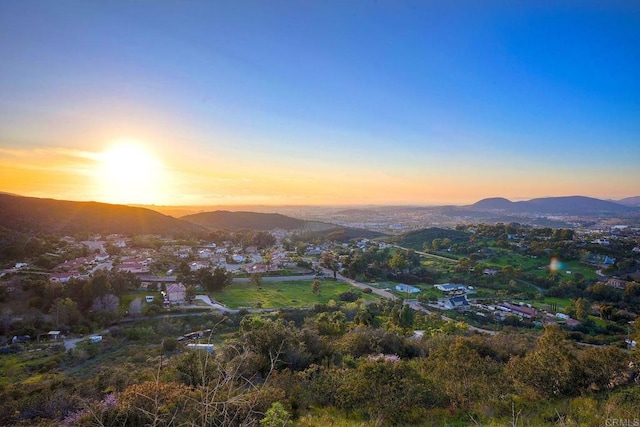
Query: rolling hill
[
  {"x": 311, "y": 230},
  {"x": 416, "y": 239},
  {"x": 493, "y": 203},
  {"x": 230, "y": 221},
  {"x": 30, "y": 214},
  {"x": 571, "y": 205},
  {"x": 630, "y": 201}
]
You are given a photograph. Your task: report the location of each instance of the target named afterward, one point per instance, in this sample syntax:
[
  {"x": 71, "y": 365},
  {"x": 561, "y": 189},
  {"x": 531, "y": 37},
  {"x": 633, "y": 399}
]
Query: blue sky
[{"x": 382, "y": 101}]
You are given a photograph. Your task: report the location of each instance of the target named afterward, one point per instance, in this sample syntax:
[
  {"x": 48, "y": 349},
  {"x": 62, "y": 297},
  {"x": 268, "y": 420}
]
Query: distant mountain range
[
  {"x": 30, "y": 214},
  {"x": 572, "y": 205},
  {"x": 630, "y": 201}
]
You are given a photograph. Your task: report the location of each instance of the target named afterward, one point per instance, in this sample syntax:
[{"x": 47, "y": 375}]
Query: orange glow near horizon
[
  {"x": 128, "y": 172},
  {"x": 135, "y": 172}
]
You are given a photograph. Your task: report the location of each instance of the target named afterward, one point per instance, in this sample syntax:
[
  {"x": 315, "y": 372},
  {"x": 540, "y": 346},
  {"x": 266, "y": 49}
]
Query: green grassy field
[
  {"x": 126, "y": 299},
  {"x": 539, "y": 267},
  {"x": 295, "y": 293},
  {"x": 561, "y": 303}
]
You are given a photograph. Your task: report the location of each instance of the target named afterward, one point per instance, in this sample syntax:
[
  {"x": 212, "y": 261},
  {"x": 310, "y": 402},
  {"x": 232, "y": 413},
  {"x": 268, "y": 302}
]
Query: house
[
  {"x": 238, "y": 258},
  {"x": 617, "y": 283},
  {"x": 205, "y": 253},
  {"x": 451, "y": 287},
  {"x": 134, "y": 267},
  {"x": 198, "y": 265},
  {"x": 408, "y": 289},
  {"x": 54, "y": 335},
  {"x": 459, "y": 302},
  {"x": 257, "y": 268},
  {"x": 520, "y": 310},
  {"x": 176, "y": 293},
  {"x": 65, "y": 277}
]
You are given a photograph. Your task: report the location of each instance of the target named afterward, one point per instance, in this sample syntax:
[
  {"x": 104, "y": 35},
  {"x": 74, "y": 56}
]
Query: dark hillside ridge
[
  {"x": 30, "y": 214},
  {"x": 230, "y": 221}
]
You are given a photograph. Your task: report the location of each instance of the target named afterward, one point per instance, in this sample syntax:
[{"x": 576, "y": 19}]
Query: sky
[{"x": 319, "y": 102}]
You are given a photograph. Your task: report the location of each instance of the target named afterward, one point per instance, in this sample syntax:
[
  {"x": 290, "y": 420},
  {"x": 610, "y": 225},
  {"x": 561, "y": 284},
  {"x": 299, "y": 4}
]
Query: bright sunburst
[{"x": 129, "y": 173}]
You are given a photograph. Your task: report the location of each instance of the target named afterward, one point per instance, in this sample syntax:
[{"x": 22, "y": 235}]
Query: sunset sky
[{"x": 319, "y": 102}]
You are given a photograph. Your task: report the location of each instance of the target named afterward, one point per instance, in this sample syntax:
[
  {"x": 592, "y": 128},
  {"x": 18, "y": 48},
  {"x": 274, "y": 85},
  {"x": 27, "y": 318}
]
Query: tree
[
  {"x": 108, "y": 302},
  {"x": 329, "y": 261},
  {"x": 183, "y": 271},
  {"x": 606, "y": 311},
  {"x": 385, "y": 390},
  {"x": 551, "y": 369},
  {"x": 190, "y": 293},
  {"x": 365, "y": 316},
  {"x": 276, "y": 416},
  {"x": 315, "y": 287},
  {"x": 398, "y": 261},
  {"x": 406, "y": 317},
  {"x": 465, "y": 265},
  {"x": 509, "y": 272},
  {"x": 583, "y": 309},
  {"x": 105, "y": 308},
  {"x": 204, "y": 278},
  {"x": 267, "y": 258},
  {"x": 256, "y": 280},
  {"x": 464, "y": 375},
  {"x": 221, "y": 278},
  {"x": 65, "y": 312}
]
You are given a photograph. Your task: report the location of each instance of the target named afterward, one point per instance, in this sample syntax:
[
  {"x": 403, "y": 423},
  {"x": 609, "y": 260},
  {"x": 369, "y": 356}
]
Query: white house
[
  {"x": 459, "y": 302},
  {"x": 450, "y": 287},
  {"x": 176, "y": 293},
  {"x": 239, "y": 258},
  {"x": 408, "y": 289}
]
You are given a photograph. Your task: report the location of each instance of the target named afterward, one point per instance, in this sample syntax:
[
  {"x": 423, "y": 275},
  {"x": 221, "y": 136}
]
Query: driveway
[{"x": 217, "y": 306}]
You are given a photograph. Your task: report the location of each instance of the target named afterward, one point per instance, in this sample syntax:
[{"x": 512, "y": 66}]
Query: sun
[{"x": 128, "y": 172}]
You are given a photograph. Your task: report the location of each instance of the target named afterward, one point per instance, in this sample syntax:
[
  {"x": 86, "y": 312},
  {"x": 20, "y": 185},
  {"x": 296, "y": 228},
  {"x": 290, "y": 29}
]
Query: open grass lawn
[
  {"x": 437, "y": 265},
  {"x": 539, "y": 267},
  {"x": 126, "y": 299},
  {"x": 295, "y": 293},
  {"x": 502, "y": 258},
  {"x": 567, "y": 270},
  {"x": 560, "y": 302}
]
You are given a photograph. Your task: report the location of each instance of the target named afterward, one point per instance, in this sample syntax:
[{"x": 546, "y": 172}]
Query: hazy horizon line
[{"x": 294, "y": 205}]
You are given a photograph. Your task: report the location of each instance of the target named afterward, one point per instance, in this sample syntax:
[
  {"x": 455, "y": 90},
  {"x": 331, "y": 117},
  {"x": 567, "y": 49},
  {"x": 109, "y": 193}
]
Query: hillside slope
[{"x": 30, "y": 214}]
